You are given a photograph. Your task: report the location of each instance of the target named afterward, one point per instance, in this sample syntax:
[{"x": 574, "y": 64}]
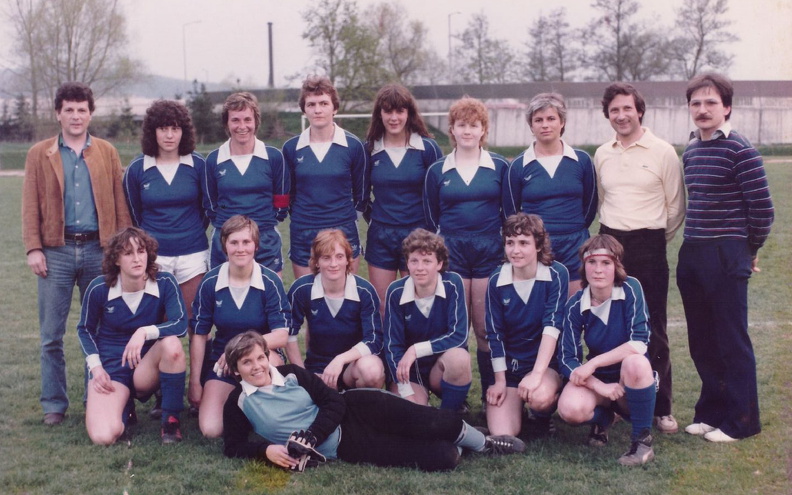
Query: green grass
[{"x": 35, "y": 459}]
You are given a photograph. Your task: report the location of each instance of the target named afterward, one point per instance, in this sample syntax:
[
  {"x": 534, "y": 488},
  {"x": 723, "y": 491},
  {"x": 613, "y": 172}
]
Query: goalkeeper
[{"x": 298, "y": 421}]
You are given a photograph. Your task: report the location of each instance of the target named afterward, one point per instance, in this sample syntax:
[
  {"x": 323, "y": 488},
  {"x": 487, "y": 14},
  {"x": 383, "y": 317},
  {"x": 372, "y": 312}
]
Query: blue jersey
[
  {"x": 454, "y": 207},
  {"x": 357, "y": 323},
  {"x": 106, "y": 322},
  {"x": 626, "y": 320},
  {"x": 261, "y": 193},
  {"x": 567, "y": 202},
  {"x": 326, "y": 193},
  {"x": 515, "y": 328},
  {"x": 172, "y": 213},
  {"x": 264, "y": 309},
  {"x": 446, "y": 326},
  {"x": 398, "y": 190}
]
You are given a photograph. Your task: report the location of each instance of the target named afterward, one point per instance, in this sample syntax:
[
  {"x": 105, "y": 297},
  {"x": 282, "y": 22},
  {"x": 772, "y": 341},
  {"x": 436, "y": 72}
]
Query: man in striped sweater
[{"x": 729, "y": 216}]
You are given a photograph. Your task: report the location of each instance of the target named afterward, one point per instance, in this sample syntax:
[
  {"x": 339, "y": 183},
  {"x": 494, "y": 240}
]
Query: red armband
[{"x": 280, "y": 200}]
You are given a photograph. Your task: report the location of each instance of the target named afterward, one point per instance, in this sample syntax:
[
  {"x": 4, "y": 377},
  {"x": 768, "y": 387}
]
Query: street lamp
[
  {"x": 450, "y": 60},
  {"x": 184, "y": 50}
]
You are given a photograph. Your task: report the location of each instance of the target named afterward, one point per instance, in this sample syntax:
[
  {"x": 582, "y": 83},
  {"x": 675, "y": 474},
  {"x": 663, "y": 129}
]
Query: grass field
[{"x": 35, "y": 459}]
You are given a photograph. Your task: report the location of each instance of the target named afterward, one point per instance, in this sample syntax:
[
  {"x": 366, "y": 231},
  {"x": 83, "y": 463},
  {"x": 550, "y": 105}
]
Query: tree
[
  {"x": 622, "y": 48},
  {"x": 22, "y": 120},
  {"x": 70, "y": 40},
  {"x": 402, "y": 42},
  {"x": 701, "y": 27},
  {"x": 123, "y": 126},
  {"x": 484, "y": 59},
  {"x": 204, "y": 118},
  {"x": 551, "y": 48},
  {"x": 346, "y": 48}
]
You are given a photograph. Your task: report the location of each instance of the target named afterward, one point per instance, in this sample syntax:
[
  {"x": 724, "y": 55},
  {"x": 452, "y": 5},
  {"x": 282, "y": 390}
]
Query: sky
[{"x": 226, "y": 40}]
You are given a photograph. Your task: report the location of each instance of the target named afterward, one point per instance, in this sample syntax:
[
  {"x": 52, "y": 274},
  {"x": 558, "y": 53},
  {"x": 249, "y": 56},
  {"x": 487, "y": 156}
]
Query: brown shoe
[
  {"x": 666, "y": 424},
  {"x": 52, "y": 419}
]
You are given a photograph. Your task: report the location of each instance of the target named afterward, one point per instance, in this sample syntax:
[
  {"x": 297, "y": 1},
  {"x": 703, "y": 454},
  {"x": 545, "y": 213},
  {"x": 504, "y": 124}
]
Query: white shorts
[{"x": 185, "y": 267}]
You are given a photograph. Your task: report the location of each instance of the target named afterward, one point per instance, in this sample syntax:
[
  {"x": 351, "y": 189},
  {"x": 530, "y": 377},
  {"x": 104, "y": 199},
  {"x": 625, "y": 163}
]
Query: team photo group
[{"x": 568, "y": 326}]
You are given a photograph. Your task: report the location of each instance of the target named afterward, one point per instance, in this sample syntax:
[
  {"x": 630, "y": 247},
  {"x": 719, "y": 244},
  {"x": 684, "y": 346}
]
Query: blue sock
[
  {"x": 484, "y": 361},
  {"x": 172, "y": 385},
  {"x": 470, "y": 438},
  {"x": 603, "y": 416},
  {"x": 453, "y": 395},
  {"x": 641, "y": 402}
]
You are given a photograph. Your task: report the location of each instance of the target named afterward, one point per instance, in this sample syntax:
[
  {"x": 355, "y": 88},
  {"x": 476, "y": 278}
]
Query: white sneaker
[
  {"x": 718, "y": 436},
  {"x": 699, "y": 429}
]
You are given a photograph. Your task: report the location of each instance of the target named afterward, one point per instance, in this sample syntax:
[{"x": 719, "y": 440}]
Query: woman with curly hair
[{"x": 129, "y": 329}]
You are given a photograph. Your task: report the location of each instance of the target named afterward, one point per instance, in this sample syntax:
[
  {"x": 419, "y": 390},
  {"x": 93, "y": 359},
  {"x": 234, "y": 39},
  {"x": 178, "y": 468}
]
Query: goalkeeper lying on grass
[{"x": 298, "y": 421}]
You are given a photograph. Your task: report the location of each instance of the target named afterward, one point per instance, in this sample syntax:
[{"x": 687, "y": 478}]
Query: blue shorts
[
  {"x": 301, "y": 240},
  {"x": 110, "y": 354},
  {"x": 268, "y": 254},
  {"x": 565, "y": 248},
  {"x": 384, "y": 246},
  {"x": 474, "y": 256}
]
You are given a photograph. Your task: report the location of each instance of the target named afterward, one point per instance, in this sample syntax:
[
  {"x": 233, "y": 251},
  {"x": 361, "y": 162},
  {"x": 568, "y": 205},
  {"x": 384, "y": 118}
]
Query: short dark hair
[
  {"x": 236, "y": 224},
  {"x": 718, "y": 82},
  {"x": 620, "y": 88},
  {"x": 74, "y": 91},
  {"x": 318, "y": 85},
  {"x": 603, "y": 241},
  {"x": 395, "y": 97},
  {"x": 238, "y": 102},
  {"x": 119, "y": 243},
  {"x": 425, "y": 242},
  {"x": 530, "y": 224},
  {"x": 543, "y": 101},
  {"x": 164, "y": 113},
  {"x": 241, "y": 345}
]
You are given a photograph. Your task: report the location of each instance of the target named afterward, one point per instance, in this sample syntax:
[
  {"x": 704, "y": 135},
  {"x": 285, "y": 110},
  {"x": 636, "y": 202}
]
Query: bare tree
[
  {"x": 402, "y": 42},
  {"x": 551, "y": 48},
  {"x": 484, "y": 59},
  {"x": 345, "y": 48},
  {"x": 71, "y": 40},
  {"x": 622, "y": 48},
  {"x": 701, "y": 28}
]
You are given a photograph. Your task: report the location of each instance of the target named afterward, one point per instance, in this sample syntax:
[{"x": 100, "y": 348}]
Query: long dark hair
[
  {"x": 390, "y": 97},
  {"x": 119, "y": 243}
]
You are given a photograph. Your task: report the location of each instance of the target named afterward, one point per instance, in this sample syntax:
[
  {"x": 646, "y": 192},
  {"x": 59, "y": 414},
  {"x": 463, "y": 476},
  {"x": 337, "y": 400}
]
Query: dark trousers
[
  {"x": 383, "y": 429},
  {"x": 713, "y": 280},
  {"x": 645, "y": 259}
]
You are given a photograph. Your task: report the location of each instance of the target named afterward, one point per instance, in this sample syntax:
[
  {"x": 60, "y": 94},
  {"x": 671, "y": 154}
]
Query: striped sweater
[{"x": 728, "y": 195}]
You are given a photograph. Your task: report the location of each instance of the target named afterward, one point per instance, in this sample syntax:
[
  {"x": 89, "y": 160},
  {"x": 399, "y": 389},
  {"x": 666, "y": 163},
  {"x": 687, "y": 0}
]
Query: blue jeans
[{"x": 75, "y": 263}]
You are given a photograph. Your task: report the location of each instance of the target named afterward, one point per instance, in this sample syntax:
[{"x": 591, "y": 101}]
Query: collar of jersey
[
  {"x": 277, "y": 380},
  {"x": 723, "y": 131},
  {"x": 350, "y": 288},
  {"x": 408, "y": 294},
  {"x": 256, "y": 281},
  {"x": 485, "y": 161},
  {"x": 224, "y": 152},
  {"x": 415, "y": 143},
  {"x": 617, "y": 294},
  {"x": 114, "y": 292},
  {"x": 530, "y": 153},
  {"x": 339, "y": 137},
  {"x": 506, "y": 275},
  {"x": 150, "y": 161}
]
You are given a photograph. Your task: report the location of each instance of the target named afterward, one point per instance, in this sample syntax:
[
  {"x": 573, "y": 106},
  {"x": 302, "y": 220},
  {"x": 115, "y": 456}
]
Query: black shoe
[
  {"x": 640, "y": 451},
  {"x": 503, "y": 445},
  {"x": 132, "y": 419},
  {"x": 171, "y": 431},
  {"x": 193, "y": 411},
  {"x": 52, "y": 419},
  {"x": 156, "y": 411},
  {"x": 598, "y": 436}
]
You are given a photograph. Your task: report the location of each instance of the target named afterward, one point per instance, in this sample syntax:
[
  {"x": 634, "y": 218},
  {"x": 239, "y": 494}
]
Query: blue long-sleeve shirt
[
  {"x": 398, "y": 190},
  {"x": 567, "y": 202},
  {"x": 626, "y": 320},
  {"x": 453, "y": 207},
  {"x": 326, "y": 193},
  {"x": 357, "y": 324},
  {"x": 515, "y": 328},
  {"x": 446, "y": 326},
  {"x": 261, "y": 193},
  {"x": 172, "y": 213},
  {"x": 265, "y": 308}
]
